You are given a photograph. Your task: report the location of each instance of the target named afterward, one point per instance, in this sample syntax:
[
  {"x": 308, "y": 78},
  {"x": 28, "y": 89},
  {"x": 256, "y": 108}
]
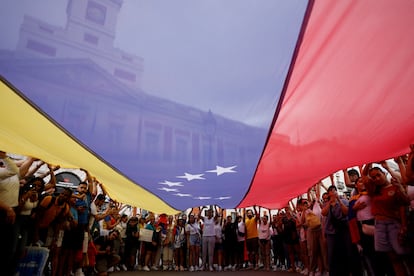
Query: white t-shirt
[
  {"x": 364, "y": 214},
  {"x": 264, "y": 231},
  {"x": 208, "y": 229},
  {"x": 192, "y": 228},
  {"x": 218, "y": 233},
  {"x": 242, "y": 229},
  {"x": 9, "y": 183}
]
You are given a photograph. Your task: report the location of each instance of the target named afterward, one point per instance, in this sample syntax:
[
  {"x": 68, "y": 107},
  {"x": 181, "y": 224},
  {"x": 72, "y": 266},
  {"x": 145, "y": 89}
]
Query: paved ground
[{"x": 204, "y": 273}]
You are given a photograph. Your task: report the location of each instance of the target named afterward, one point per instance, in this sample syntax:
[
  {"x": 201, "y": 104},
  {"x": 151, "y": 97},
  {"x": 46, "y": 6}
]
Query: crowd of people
[{"x": 370, "y": 231}]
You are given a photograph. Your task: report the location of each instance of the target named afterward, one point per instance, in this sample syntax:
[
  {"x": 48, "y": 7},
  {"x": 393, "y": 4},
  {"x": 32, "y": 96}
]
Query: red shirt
[{"x": 388, "y": 202}]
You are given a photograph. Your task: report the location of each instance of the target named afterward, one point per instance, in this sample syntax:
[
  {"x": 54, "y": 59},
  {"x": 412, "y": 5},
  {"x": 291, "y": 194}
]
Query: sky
[{"x": 205, "y": 48}]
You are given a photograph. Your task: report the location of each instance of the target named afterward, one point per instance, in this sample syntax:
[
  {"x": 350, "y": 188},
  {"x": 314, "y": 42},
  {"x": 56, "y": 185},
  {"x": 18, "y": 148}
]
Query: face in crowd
[
  {"x": 82, "y": 188},
  {"x": 378, "y": 177},
  {"x": 114, "y": 235},
  {"x": 64, "y": 196}
]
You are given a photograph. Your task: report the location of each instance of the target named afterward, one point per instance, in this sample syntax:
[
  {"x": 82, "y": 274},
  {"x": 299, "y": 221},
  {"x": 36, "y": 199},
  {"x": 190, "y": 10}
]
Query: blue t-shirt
[{"x": 84, "y": 214}]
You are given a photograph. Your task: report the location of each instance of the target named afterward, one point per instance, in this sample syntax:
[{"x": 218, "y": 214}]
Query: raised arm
[
  {"x": 403, "y": 170},
  {"x": 365, "y": 170},
  {"x": 393, "y": 173},
  {"x": 92, "y": 187},
  {"x": 201, "y": 217},
  {"x": 410, "y": 166},
  {"x": 256, "y": 213},
  {"x": 347, "y": 180},
  {"x": 25, "y": 166},
  {"x": 34, "y": 169},
  {"x": 52, "y": 182}
]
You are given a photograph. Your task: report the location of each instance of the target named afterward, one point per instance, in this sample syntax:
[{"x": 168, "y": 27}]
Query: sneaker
[
  {"x": 220, "y": 268},
  {"x": 139, "y": 267},
  {"x": 234, "y": 267},
  {"x": 191, "y": 269},
  {"x": 154, "y": 268},
  {"x": 211, "y": 268},
  {"x": 305, "y": 271},
  {"x": 123, "y": 267},
  {"x": 181, "y": 268},
  {"x": 146, "y": 268},
  {"x": 79, "y": 272},
  {"x": 291, "y": 270},
  {"x": 111, "y": 269}
]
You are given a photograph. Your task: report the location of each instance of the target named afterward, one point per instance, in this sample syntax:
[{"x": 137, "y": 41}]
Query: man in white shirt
[{"x": 9, "y": 201}]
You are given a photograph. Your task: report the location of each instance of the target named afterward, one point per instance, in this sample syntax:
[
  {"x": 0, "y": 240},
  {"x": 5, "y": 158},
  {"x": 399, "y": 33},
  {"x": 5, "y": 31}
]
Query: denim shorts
[{"x": 195, "y": 239}]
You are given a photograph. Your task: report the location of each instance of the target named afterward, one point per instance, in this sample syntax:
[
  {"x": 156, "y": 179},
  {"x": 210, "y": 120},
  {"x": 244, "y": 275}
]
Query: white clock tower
[{"x": 89, "y": 34}]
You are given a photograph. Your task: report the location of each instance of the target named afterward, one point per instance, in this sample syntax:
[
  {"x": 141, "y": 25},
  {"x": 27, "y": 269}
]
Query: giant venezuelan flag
[{"x": 189, "y": 103}]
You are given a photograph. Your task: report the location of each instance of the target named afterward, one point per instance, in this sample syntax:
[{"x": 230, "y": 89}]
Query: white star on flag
[
  {"x": 168, "y": 189},
  {"x": 202, "y": 197},
  {"x": 190, "y": 177},
  {"x": 182, "y": 195},
  {"x": 223, "y": 197},
  {"x": 171, "y": 184},
  {"x": 222, "y": 170}
]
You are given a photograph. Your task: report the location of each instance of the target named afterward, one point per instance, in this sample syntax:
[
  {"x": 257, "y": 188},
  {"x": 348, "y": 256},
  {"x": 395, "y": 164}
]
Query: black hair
[
  {"x": 100, "y": 197},
  {"x": 377, "y": 169},
  {"x": 32, "y": 179},
  {"x": 27, "y": 187},
  {"x": 69, "y": 190},
  {"x": 353, "y": 172},
  {"x": 302, "y": 200},
  {"x": 114, "y": 231},
  {"x": 332, "y": 187}
]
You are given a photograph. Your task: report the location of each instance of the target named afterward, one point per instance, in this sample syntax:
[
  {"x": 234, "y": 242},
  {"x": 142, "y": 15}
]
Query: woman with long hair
[{"x": 389, "y": 206}]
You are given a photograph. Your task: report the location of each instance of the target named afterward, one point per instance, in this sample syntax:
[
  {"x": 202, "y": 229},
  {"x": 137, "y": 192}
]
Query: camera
[{"x": 29, "y": 187}]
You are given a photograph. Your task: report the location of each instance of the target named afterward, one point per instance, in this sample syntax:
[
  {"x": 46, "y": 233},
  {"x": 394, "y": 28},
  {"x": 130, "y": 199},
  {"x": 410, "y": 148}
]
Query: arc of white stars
[
  {"x": 171, "y": 184},
  {"x": 182, "y": 195},
  {"x": 222, "y": 170},
  {"x": 223, "y": 197},
  {"x": 202, "y": 197},
  {"x": 168, "y": 189},
  {"x": 191, "y": 177}
]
